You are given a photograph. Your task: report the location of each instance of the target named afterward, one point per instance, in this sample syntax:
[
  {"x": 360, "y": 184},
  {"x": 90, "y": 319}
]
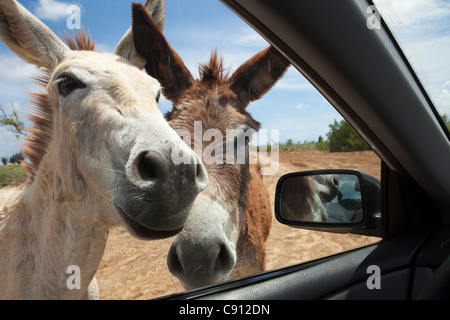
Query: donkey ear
[
  {"x": 125, "y": 48},
  {"x": 258, "y": 75},
  {"x": 157, "y": 10},
  {"x": 162, "y": 62},
  {"x": 28, "y": 37}
]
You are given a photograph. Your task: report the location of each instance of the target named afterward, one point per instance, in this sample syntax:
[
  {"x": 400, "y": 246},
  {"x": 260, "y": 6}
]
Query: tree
[
  {"x": 322, "y": 145},
  {"x": 4, "y": 161},
  {"x": 12, "y": 121},
  {"x": 344, "y": 138},
  {"x": 16, "y": 158},
  {"x": 446, "y": 121}
]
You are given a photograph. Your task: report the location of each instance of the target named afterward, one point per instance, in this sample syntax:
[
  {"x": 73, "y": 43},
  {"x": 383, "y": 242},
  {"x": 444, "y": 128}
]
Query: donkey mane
[
  {"x": 214, "y": 70},
  {"x": 81, "y": 43},
  {"x": 39, "y": 136}
]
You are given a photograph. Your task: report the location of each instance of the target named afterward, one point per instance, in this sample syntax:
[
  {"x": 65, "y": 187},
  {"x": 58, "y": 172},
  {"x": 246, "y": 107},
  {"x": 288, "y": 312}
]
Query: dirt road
[{"x": 134, "y": 269}]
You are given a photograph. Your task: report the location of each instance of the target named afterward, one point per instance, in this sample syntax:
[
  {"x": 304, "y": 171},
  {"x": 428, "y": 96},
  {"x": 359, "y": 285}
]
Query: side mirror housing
[{"x": 341, "y": 201}]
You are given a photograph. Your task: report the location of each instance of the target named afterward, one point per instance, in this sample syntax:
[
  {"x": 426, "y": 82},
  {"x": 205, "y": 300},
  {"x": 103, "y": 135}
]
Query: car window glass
[
  {"x": 300, "y": 130},
  {"x": 422, "y": 29},
  {"x": 292, "y": 114}
]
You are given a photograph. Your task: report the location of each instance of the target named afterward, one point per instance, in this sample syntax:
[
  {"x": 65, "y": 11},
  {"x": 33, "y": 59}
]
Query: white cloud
[
  {"x": 103, "y": 47},
  {"x": 236, "y": 44},
  {"x": 294, "y": 81},
  {"x": 15, "y": 83},
  {"x": 14, "y": 69},
  {"x": 294, "y": 84},
  {"x": 301, "y": 106},
  {"x": 16, "y": 80},
  {"x": 422, "y": 29},
  {"x": 247, "y": 37},
  {"x": 52, "y": 10},
  {"x": 9, "y": 144},
  {"x": 442, "y": 99},
  {"x": 412, "y": 12}
]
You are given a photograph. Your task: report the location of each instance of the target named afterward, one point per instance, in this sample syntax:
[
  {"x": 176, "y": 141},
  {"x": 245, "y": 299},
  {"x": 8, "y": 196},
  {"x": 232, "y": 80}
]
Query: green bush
[
  {"x": 323, "y": 146},
  {"x": 343, "y": 138},
  {"x": 446, "y": 121},
  {"x": 12, "y": 175}
]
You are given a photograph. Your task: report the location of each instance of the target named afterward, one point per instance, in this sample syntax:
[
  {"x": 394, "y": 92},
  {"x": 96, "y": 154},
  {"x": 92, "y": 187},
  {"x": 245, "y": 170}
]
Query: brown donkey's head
[{"x": 210, "y": 114}]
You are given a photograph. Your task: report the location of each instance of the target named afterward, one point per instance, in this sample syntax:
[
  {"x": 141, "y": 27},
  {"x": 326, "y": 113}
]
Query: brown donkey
[
  {"x": 100, "y": 156},
  {"x": 225, "y": 234}
]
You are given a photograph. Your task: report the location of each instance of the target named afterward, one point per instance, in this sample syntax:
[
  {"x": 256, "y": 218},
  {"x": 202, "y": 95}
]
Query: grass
[
  {"x": 323, "y": 146},
  {"x": 12, "y": 175}
]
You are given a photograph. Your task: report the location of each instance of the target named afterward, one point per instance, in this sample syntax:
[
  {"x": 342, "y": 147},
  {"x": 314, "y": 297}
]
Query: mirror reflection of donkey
[
  {"x": 304, "y": 197},
  {"x": 100, "y": 156},
  {"x": 225, "y": 234}
]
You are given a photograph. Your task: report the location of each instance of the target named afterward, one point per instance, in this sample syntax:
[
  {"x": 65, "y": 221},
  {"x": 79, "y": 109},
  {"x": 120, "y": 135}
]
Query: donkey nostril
[
  {"x": 201, "y": 176},
  {"x": 149, "y": 166},
  {"x": 174, "y": 262},
  {"x": 224, "y": 262}
]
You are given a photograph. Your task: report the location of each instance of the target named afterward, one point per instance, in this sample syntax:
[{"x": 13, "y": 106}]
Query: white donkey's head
[{"x": 100, "y": 140}]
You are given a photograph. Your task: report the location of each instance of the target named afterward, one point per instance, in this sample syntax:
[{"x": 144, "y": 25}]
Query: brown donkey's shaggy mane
[
  {"x": 214, "y": 70},
  {"x": 40, "y": 134}
]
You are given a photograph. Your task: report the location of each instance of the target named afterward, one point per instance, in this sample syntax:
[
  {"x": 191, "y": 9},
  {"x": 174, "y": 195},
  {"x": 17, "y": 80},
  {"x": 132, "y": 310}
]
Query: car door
[{"x": 355, "y": 62}]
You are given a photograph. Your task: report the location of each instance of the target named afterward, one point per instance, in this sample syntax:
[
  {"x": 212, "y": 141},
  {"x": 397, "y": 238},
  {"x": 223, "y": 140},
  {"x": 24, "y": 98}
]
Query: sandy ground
[{"x": 134, "y": 269}]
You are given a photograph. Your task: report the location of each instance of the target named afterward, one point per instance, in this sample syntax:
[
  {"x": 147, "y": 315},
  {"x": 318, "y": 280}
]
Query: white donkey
[{"x": 100, "y": 156}]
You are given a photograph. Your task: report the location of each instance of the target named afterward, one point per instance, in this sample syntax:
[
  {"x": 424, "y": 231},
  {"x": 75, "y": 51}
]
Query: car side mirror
[{"x": 343, "y": 201}]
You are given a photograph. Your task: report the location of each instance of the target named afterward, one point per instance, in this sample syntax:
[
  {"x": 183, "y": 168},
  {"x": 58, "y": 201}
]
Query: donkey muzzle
[{"x": 160, "y": 191}]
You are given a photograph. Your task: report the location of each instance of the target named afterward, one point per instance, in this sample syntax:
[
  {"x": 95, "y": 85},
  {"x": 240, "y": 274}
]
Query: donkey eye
[
  {"x": 67, "y": 85},
  {"x": 158, "y": 96},
  {"x": 239, "y": 140}
]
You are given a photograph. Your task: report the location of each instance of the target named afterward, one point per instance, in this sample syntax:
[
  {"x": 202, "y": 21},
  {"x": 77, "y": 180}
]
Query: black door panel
[{"x": 341, "y": 276}]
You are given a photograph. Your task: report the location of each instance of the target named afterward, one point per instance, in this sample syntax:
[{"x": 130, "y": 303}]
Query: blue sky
[{"x": 195, "y": 27}]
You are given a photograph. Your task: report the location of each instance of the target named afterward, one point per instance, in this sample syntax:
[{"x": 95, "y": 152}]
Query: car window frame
[{"x": 423, "y": 168}]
